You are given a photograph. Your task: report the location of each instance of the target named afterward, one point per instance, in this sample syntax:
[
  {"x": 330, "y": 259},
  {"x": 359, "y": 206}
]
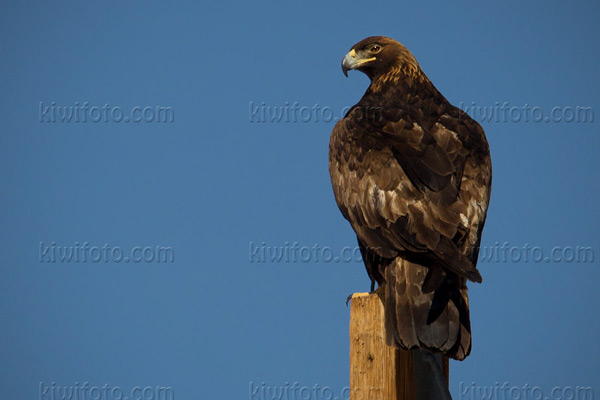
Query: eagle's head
[{"x": 378, "y": 56}]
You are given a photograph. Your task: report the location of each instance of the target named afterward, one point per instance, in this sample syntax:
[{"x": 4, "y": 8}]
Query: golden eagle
[{"x": 412, "y": 174}]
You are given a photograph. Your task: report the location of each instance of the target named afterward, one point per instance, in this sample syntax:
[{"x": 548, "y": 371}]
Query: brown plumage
[{"x": 412, "y": 174}]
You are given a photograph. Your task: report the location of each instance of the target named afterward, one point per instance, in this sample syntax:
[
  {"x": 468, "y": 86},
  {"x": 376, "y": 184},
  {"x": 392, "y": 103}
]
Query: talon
[{"x": 348, "y": 299}]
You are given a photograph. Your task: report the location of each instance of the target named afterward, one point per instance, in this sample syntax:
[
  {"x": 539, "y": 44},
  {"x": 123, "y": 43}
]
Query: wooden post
[{"x": 379, "y": 371}]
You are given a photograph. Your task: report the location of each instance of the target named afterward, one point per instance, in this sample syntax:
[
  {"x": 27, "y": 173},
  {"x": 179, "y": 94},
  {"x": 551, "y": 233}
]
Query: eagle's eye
[{"x": 374, "y": 48}]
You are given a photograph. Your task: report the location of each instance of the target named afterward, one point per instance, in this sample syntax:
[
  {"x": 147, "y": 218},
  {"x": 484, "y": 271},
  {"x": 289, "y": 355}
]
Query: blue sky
[{"x": 213, "y": 181}]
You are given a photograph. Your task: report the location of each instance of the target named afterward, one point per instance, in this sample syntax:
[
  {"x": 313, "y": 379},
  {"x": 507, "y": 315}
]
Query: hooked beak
[{"x": 353, "y": 61}]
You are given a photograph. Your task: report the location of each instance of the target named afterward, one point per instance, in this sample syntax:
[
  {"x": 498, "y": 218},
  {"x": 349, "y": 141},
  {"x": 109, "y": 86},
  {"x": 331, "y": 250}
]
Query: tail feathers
[{"x": 418, "y": 317}]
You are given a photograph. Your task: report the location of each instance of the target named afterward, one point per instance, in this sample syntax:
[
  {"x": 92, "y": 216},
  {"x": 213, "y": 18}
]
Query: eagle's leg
[{"x": 374, "y": 264}]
